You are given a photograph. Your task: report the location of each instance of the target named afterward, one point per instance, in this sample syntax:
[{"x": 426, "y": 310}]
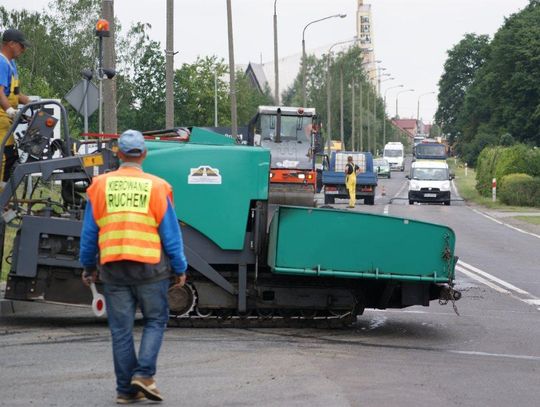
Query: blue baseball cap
[{"x": 131, "y": 143}]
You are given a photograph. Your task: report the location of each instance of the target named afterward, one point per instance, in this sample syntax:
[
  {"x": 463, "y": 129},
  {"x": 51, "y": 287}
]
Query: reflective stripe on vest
[{"x": 128, "y": 228}]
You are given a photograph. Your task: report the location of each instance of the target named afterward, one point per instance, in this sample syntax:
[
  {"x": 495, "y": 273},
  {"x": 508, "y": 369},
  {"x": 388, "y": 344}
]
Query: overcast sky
[{"x": 411, "y": 36}]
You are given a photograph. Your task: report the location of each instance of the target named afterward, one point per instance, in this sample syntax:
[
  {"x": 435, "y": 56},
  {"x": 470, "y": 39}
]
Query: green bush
[
  {"x": 514, "y": 160},
  {"x": 520, "y": 190},
  {"x": 497, "y": 162}
]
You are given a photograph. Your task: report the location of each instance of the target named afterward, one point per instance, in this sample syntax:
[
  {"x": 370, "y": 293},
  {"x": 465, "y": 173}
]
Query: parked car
[{"x": 381, "y": 167}]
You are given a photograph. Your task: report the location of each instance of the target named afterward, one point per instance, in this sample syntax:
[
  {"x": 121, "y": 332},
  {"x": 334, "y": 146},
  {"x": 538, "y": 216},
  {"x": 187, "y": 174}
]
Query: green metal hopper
[{"x": 346, "y": 244}]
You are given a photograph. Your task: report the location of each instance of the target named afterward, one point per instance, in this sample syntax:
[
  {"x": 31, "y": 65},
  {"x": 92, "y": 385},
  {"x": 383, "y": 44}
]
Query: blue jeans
[{"x": 122, "y": 301}]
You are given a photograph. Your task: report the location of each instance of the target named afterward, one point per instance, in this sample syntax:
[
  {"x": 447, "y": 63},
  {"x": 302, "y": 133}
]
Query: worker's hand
[
  {"x": 179, "y": 280},
  {"x": 88, "y": 277},
  {"x": 11, "y": 112}
]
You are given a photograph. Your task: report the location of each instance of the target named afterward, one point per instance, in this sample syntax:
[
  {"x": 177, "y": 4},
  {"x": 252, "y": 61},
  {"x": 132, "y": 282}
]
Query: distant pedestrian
[
  {"x": 130, "y": 220},
  {"x": 351, "y": 169},
  {"x": 13, "y": 46}
]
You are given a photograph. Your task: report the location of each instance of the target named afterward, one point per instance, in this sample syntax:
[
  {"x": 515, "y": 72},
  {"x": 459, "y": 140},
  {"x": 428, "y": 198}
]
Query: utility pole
[
  {"x": 353, "y": 117},
  {"x": 368, "y": 121},
  {"x": 109, "y": 61},
  {"x": 342, "y": 131},
  {"x": 169, "y": 67},
  {"x": 375, "y": 122},
  {"x": 276, "y": 61},
  {"x": 232, "y": 83},
  {"x": 361, "y": 120}
]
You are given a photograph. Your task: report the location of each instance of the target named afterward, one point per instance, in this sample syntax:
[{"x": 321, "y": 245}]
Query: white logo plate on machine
[{"x": 205, "y": 175}]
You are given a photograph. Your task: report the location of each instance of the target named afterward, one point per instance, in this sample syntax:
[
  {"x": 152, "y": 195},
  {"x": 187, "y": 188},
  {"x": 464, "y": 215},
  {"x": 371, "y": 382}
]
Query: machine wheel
[
  {"x": 182, "y": 300},
  {"x": 447, "y": 203},
  {"x": 329, "y": 200},
  {"x": 411, "y": 202},
  {"x": 369, "y": 200}
]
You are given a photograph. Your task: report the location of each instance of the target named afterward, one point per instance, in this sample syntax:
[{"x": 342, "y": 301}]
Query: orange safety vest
[{"x": 128, "y": 206}]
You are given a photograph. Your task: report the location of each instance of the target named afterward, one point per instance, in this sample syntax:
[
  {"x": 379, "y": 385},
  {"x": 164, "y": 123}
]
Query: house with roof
[
  {"x": 256, "y": 75},
  {"x": 408, "y": 127}
]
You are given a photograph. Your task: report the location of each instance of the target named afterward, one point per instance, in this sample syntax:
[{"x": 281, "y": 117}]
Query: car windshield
[
  {"x": 430, "y": 174},
  {"x": 393, "y": 153},
  {"x": 380, "y": 163}
]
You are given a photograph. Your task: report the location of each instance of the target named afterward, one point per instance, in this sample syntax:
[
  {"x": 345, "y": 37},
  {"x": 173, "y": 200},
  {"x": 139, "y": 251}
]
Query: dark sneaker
[
  {"x": 148, "y": 386},
  {"x": 130, "y": 398}
]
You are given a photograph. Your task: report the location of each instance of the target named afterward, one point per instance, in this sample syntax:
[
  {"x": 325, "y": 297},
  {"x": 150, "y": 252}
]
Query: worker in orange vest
[{"x": 130, "y": 220}]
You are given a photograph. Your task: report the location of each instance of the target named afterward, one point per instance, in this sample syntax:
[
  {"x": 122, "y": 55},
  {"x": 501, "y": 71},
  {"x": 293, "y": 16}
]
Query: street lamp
[
  {"x": 418, "y": 104},
  {"x": 361, "y": 104},
  {"x": 328, "y": 91},
  {"x": 276, "y": 69},
  {"x": 384, "y": 121},
  {"x": 397, "y": 97},
  {"x": 304, "y": 52},
  {"x": 369, "y": 138}
]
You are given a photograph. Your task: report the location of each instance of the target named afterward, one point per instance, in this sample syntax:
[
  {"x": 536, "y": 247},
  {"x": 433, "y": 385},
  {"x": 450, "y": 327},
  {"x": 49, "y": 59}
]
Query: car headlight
[
  {"x": 414, "y": 186},
  {"x": 301, "y": 176}
]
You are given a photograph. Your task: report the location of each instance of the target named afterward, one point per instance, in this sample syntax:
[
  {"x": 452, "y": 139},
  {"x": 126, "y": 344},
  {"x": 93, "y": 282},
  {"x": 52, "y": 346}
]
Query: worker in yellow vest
[
  {"x": 351, "y": 170},
  {"x": 131, "y": 223},
  {"x": 13, "y": 46}
]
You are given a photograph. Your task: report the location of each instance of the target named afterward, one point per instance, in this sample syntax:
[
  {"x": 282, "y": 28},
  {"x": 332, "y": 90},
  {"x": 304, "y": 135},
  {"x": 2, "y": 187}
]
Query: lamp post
[
  {"x": 361, "y": 105},
  {"x": 418, "y": 104},
  {"x": 397, "y": 98},
  {"x": 369, "y": 138},
  {"x": 276, "y": 69},
  {"x": 328, "y": 90},
  {"x": 384, "y": 121},
  {"x": 232, "y": 83},
  {"x": 304, "y": 52}
]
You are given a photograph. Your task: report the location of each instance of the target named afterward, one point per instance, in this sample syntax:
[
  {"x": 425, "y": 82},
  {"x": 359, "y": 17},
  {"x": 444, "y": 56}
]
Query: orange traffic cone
[{"x": 383, "y": 191}]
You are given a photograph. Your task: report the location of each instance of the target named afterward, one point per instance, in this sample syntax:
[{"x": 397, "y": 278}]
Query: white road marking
[
  {"x": 496, "y": 355},
  {"x": 455, "y": 193},
  {"x": 482, "y": 280},
  {"x": 400, "y": 189},
  {"x": 506, "y": 224},
  {"x": 492, "y": 281},
  {"x": 385, "y": 210}
]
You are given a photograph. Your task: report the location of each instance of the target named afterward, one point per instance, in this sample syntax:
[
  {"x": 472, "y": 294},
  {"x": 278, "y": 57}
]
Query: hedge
[
  {"x": 497, "y": 162},
  {"x": 520, "y": 190}
]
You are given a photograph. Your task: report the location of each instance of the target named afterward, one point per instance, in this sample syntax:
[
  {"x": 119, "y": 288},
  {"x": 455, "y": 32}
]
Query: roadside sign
[{"x": 75, "y": 97}]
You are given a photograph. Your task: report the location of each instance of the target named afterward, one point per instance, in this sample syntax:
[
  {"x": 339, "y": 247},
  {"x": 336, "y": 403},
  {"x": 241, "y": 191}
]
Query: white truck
[{"x": 394, "y": 153}]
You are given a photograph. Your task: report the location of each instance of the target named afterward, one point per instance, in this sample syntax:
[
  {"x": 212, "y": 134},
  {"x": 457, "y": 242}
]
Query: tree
[
  {"x": 502, "y": 105},
  {"x": 349, "y": 65},
  {"x": 460, "y": 69}
]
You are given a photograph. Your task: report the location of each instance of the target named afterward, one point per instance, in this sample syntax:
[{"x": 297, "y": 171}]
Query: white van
[
  {"x": 429, "y": 181},
  {"x": 394, "y": 154}
]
